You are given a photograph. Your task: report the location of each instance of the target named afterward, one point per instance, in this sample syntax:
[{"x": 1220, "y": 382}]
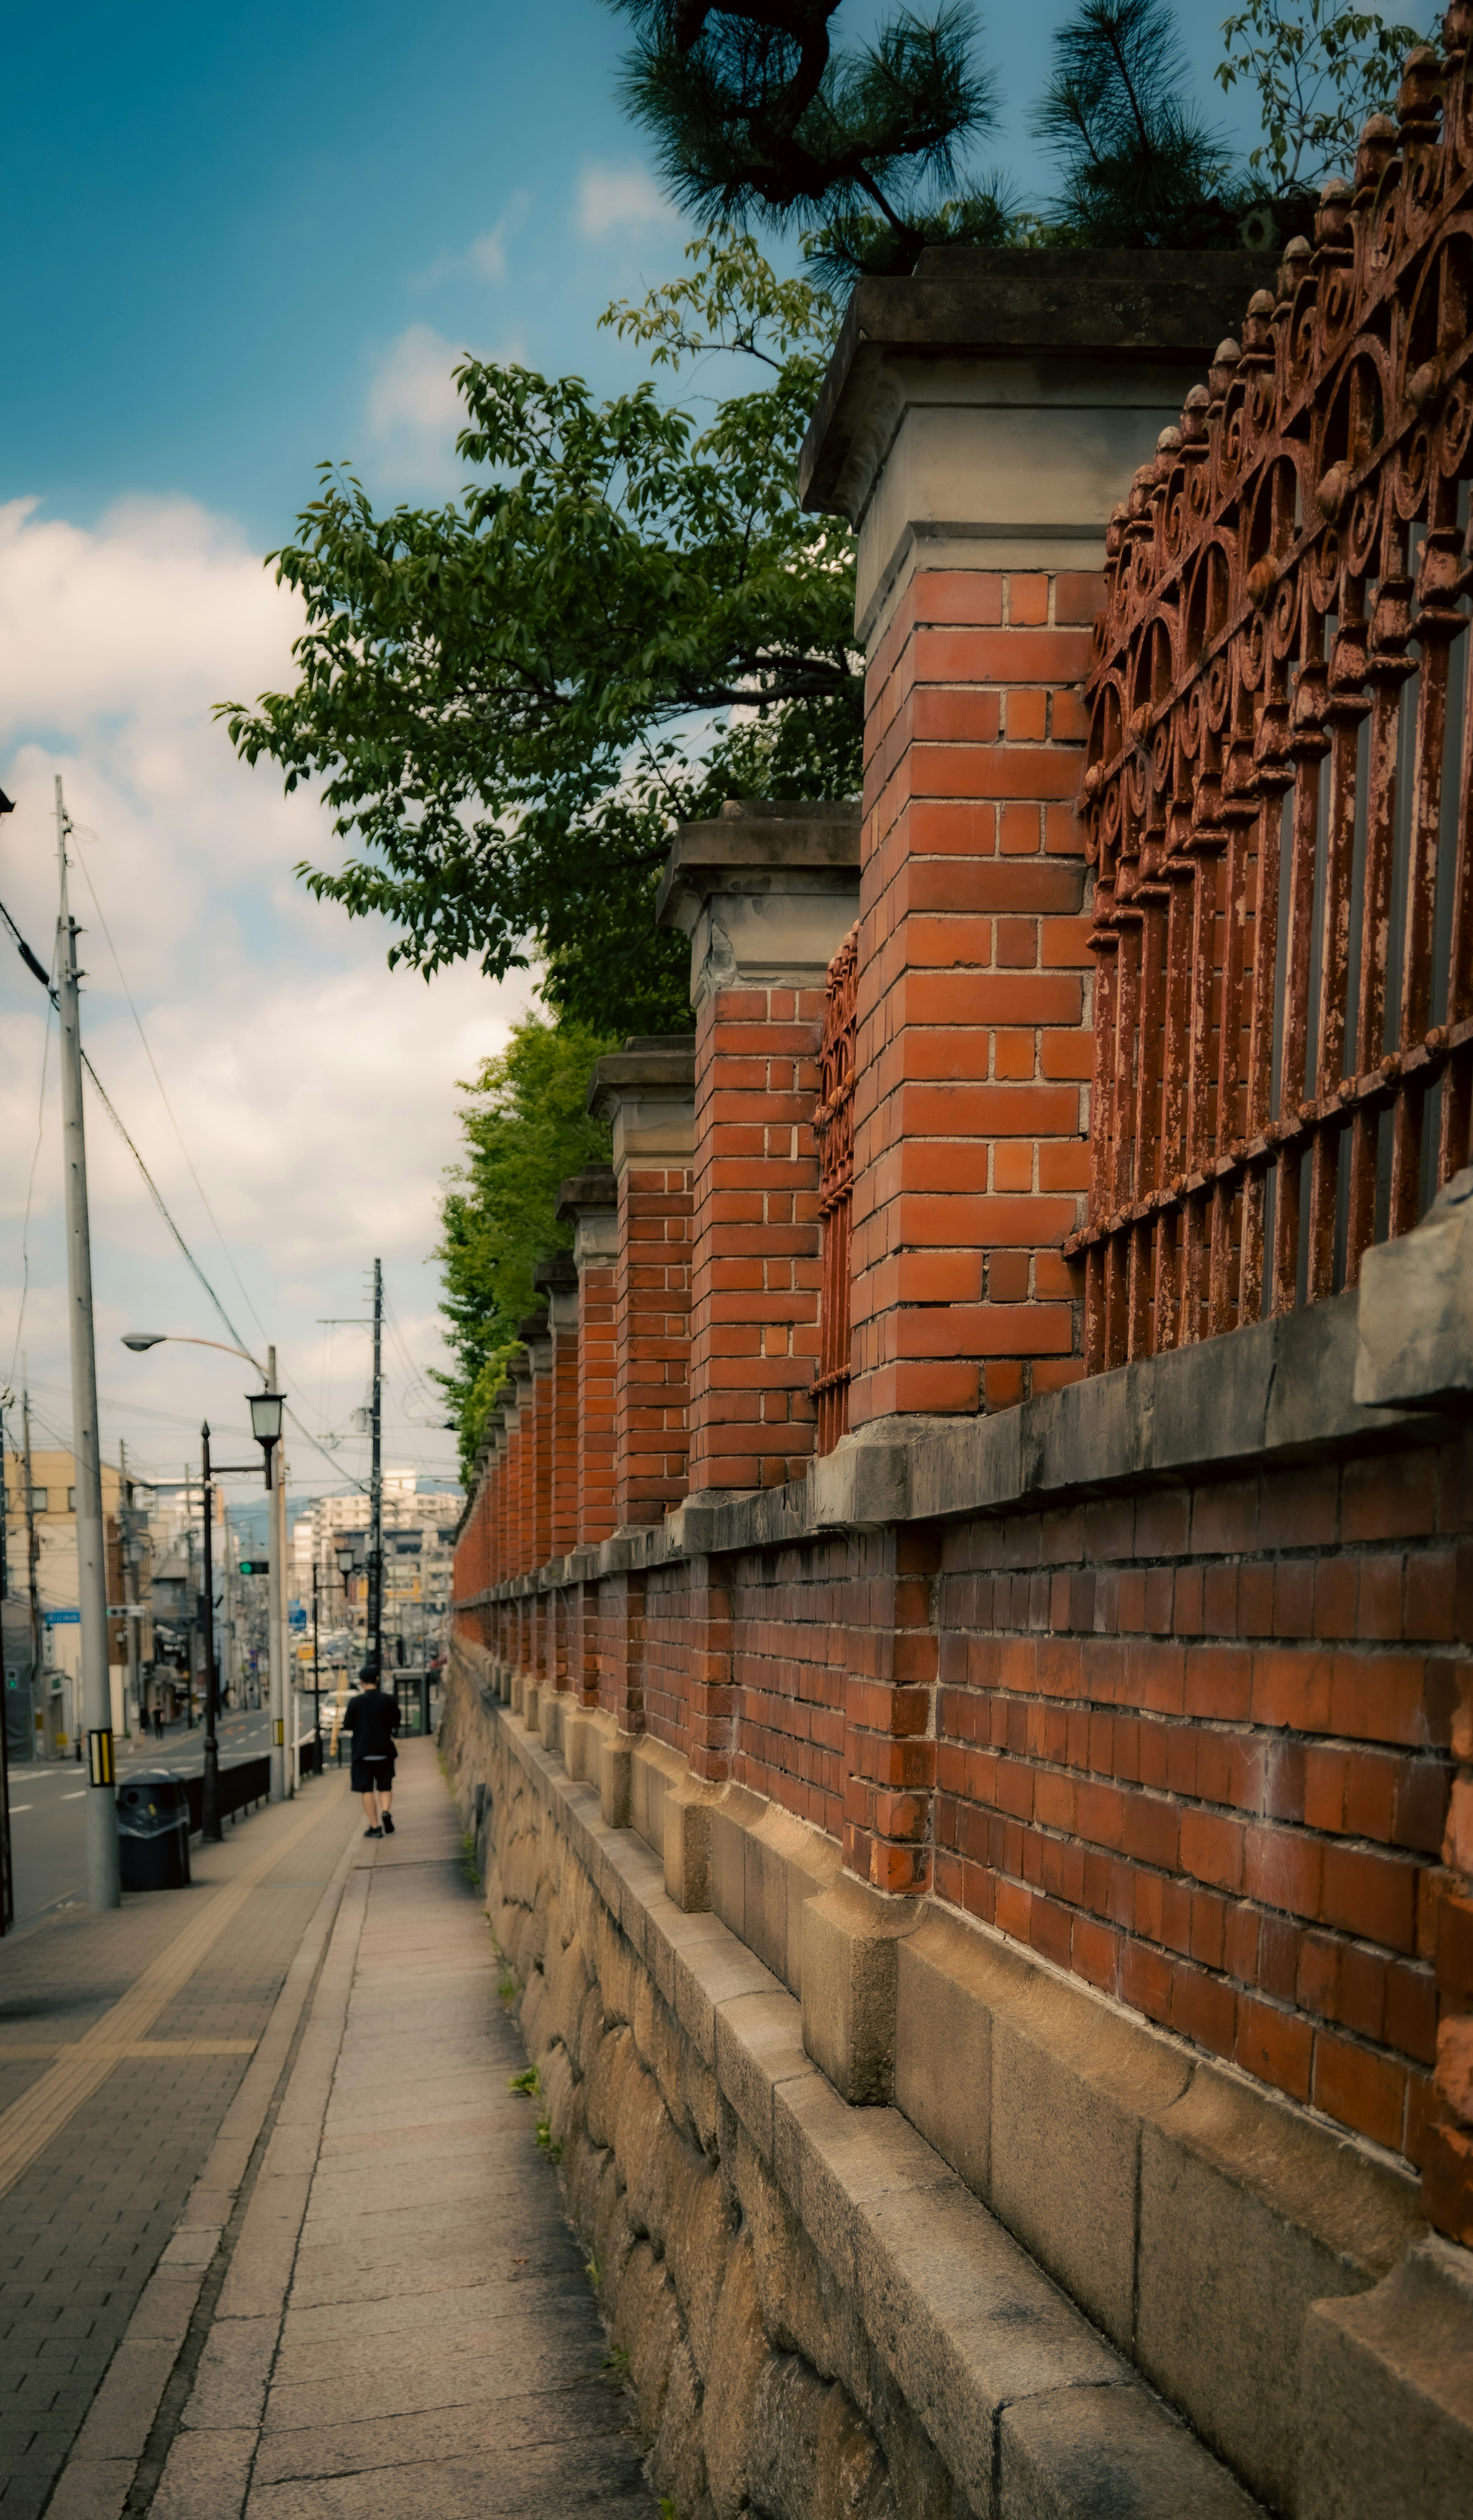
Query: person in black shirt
[{"x": 373, "y": 1721}]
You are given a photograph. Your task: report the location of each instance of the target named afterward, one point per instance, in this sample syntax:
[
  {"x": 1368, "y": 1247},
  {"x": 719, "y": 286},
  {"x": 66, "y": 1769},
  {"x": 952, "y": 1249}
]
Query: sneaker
[
  {"x": 373, "y": 1832},
  {"x": 389, "y": 1824}
]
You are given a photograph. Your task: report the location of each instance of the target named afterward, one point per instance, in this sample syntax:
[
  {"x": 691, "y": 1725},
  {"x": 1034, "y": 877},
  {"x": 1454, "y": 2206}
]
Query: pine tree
[
  {"x": 754, "y": 110},
  {"x": 1139, "y": 165}
]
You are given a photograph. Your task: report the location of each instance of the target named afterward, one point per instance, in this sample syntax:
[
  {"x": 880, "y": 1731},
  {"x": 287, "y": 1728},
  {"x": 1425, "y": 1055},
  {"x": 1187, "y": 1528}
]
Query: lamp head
[
  {"x": 138, "y": 1340},
  {"x": 265, "y": 1417}
]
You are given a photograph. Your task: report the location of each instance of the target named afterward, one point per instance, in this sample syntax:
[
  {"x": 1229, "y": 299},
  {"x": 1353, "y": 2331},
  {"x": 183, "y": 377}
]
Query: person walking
[{"x": 372, "y": 1721}]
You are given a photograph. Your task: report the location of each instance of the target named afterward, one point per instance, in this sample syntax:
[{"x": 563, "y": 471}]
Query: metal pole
[
  {"x": 193, "y": 1599},
  {"x": 316, "y": 1669},
  {"x": 227, "y": 1605},
  {"x": 376, "y": 1487},
  {"x": 7, "y": 1869},
  {"x": 276, "y": 1592},
  {"x": 209, "y": 1799},
  {"x": 129, "y": 1580},
  {"x": 91, "y": 1559},
  {"x": 31, "y": 1554}
]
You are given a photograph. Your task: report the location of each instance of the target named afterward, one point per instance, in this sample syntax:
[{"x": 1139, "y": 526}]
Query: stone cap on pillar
[
  {"x": 766, "y": 892},
  {"x": 558, "y": 1280},
  {"x": 534, "y": 1332},
  {"x": 588, "y": 1202},
  {"x": 647, "y": 1093},
  {"x": 989, "y": 411}
]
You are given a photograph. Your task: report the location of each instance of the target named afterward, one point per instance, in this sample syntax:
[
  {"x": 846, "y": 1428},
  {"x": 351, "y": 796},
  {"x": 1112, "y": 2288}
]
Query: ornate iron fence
[
  {"x": 1280, "y": 789},
  {"x": 833, "y": 1126}
]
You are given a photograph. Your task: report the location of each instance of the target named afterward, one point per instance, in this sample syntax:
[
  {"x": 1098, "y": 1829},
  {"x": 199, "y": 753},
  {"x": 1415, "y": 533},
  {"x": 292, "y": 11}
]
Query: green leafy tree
[
  {"x": 1139, "y": 163},
  {"x": 755, "y": 110},
  {"x": 1321, "y": 69},
  {"x": 624, "y": 620},
  {"x": 526, "y": 1129}
]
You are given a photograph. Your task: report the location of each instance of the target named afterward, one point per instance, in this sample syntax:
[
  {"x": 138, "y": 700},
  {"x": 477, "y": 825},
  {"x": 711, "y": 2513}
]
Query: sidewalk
[{"x": 382, "y": 2311}]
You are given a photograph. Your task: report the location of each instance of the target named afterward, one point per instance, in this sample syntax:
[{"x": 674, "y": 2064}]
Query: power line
[
  {"x": 157, "y": 1195},
  {"x": 162, "y": 1095}
]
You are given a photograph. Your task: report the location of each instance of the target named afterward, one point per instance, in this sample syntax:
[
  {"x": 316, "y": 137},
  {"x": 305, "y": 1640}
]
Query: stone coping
[
  {"x": 972, "y": 301},
  {"x": 659, "y": 1067},
  {"x": 1273, "y": 1393},
  {"x": 596, "y": 1187},
  {"x": 756, "y": 848}
]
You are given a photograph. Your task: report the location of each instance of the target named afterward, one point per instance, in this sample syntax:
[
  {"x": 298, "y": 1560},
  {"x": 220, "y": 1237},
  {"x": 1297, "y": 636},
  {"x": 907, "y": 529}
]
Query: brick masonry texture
[
  {"x": 974, "y": 1050},
  {"x": 754, "y": 1275}
]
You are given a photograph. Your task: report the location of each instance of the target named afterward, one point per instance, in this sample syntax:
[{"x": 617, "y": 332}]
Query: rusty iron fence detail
[
  {"x": 1279, "y": 785},
  {"x": 834, "y": 1128}
]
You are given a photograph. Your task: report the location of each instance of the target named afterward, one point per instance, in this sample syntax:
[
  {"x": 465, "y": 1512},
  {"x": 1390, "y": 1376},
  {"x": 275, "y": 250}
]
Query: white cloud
[
  {"x": 621, "y": 197},
  {"x": 315, "y": 1089},
  {"x": 414, "y": 411},
  {"x": 485, "y": 258}
]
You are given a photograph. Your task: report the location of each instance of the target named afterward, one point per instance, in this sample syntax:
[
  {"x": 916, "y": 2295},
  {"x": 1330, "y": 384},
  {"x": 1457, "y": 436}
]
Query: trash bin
[{"x": 153, "y": 1831}]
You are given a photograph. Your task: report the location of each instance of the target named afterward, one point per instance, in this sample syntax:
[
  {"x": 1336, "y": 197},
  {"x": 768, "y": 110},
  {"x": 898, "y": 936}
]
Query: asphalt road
[{"x": 47, "y": 1839}]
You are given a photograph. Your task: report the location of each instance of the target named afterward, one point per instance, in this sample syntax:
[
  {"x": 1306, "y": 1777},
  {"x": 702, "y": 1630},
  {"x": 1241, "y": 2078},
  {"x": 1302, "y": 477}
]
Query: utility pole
[
  {"x": 227, "y": 1607},
  {"x": 192, "y": 1598},
  {"x": 376, "y": 1487},
  {"x": 91, "y": 1560},
  {"x": 31, "y": 1552},
  {"x": 126, "y": 1547},
  {"x": 316, "y": 1669},
  {"x": 276, "y": 1559},
  {"x": 7, "y": 1868},
  {"x": 209, "y": 1800}
]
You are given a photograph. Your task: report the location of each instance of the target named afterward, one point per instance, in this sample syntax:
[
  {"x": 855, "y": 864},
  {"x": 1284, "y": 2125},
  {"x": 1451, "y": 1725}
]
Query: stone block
[
  {"x": 615, "y": 1753},
  {"x": 945, "y": 1981},
  {"x": 531, "y": 1702},
  {"x": 1414, "y": 1320},
  {"x": 737, "y": 1812},
  {"x": 518, "y": 1687},
  {"x": 849, "y": 1939},
  {"x": 551, "y": 1712},
  {"x": 1385, "y": 2395},
  {"x": 1108, "y": 2450},
  {"x": 1248, "y": 2215},
  {"x": 758, "y": 2046},
  {"x": 687, "y": 1843},
  {"x": 1073, "y": 2086},
  {"x": 656, "y": 1771}
]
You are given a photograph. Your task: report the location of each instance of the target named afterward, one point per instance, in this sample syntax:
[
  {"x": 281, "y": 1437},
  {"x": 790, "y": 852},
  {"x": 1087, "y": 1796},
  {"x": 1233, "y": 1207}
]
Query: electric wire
[
  {"x": 157, "y": 1195},
  {"x": 101, "y": 920}
]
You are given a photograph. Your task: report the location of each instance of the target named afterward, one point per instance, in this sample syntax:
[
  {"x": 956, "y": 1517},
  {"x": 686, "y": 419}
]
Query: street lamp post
[{"x": 267, "y": 1409}]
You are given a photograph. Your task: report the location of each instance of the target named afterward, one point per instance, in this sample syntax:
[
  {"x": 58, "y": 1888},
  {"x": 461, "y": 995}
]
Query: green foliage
[
  {"x": 526, "y": 1130},
  {"x": 506, "y": 1989},
  {"x": 1321, "y": 69},
  {"x": 1138, "y": 164},
  {"x": 756, "y": 110},
  {"x": 469, "y": 1866},
  {"x": 527, "y": 2083},
  {"x": 625, "y": 619},
  {"x": 545, "y": 2140}
]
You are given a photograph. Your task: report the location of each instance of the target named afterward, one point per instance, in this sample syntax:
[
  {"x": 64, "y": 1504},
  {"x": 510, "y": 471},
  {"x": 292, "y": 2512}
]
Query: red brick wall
[
  {"x": 563, "y": 1503},
  {"x": 1193, "y": 1746},
  {"x": 652, "y": 1340},
  {"x": 597, "y": 1362},
  {"x": 973, "y": 1050},
  {"x": 542, "y": 1449},
  {"x": 755, "y": 1264}
]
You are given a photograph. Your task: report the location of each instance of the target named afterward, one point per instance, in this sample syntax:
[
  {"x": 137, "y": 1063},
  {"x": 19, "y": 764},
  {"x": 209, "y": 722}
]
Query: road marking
[
  {"x": 31, "y": 2055},
  {"x": 19, "y": 1807},
  {"x": 29, "y": 2124},
  {"x": 79, "y": 1796}
]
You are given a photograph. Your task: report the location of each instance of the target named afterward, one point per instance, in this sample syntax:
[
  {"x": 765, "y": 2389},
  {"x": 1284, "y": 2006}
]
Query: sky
[{"x": 240, "y": 243}]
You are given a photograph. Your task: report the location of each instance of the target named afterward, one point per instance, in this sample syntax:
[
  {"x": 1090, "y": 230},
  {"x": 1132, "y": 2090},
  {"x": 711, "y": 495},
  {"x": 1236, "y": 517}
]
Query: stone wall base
[{"x": 819, "y": 2318}]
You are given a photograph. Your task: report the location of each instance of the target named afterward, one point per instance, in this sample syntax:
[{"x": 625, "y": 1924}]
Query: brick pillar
[
  {"x": 557, "y": 1279},
  {"x": 766, "y": 893},
  {"x": 646, "y": 1092},
  {"x": 588, "y": 1202},
  {"x": 977, "y": 434},
  {"x": 537, "y": 1336}
]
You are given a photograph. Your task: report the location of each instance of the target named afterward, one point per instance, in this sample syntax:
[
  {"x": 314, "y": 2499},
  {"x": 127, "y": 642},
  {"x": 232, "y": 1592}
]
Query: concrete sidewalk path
[
  {"x": 400, "y": 2325},
  {"x": 138, "y": 2048}
]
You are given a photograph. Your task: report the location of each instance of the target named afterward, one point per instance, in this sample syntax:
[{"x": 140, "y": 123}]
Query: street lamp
[{"x": 267, "y": 1407}]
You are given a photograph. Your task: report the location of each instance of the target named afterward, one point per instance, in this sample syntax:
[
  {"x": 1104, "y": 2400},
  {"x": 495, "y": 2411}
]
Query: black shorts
[{"x": 368, "y": 1773}]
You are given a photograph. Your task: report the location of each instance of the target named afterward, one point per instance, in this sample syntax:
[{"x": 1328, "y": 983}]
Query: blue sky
[{"x": 239, "y": 241}]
